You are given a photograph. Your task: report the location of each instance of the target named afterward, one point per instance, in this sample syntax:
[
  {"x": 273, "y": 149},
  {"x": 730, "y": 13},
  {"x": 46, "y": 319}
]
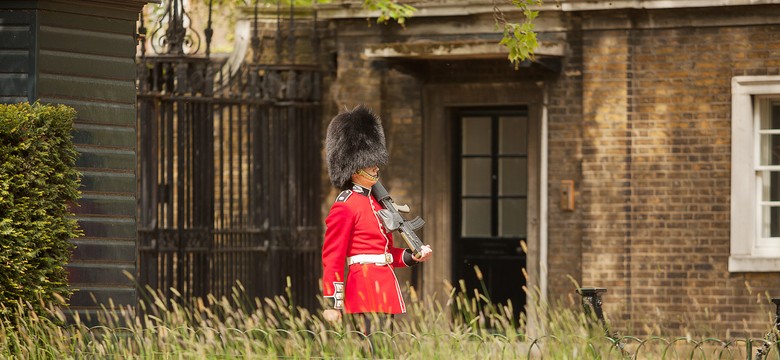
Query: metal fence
[
  {"x": 630, "y": 347},
  {"x": 229, "y": 160}
]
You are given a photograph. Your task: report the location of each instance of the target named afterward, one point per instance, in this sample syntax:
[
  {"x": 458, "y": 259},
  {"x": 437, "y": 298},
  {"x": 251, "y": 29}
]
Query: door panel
[{"x": 490, "y": 201}]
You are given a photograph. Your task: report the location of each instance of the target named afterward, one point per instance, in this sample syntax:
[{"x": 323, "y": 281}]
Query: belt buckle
[{"x": 388, "y": 258}]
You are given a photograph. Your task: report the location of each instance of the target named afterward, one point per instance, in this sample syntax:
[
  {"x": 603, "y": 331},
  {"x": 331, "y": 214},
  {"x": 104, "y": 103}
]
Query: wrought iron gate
[{"x": 229, "y": 168}]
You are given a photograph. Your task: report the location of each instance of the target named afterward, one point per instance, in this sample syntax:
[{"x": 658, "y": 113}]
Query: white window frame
[{"x": 748, "y": 252}]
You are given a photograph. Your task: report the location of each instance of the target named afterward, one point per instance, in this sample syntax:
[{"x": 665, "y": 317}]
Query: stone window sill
[{"x": 754, "y": 264}]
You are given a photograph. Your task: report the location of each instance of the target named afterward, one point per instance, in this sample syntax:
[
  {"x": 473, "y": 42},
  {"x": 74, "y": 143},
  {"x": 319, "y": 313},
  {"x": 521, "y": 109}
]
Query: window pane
[
  {"x": 512, "y": 217},
  {"x": 775, "y": 109},
  {"x": 476, "y": 217},
  {"x": 770, "y": 185},
  {"x": 770, "y": 114},
  {"x": 770, "y": 149},
  {"x": 769, "y": 111},
  {"x": 476, "y": 176},
  {"x": 476, "y": 135},
  {"x": 771, "y": 221},
  {"x": 513, "y": 176},
  {"x": 513, "y": 135}
]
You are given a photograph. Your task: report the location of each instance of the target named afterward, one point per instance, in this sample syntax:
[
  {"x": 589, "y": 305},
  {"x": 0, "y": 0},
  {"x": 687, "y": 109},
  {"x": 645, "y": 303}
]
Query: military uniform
[{"x": 356, "y": 237}]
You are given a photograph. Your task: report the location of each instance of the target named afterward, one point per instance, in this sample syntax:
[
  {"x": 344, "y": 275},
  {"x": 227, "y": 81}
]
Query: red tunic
[{"x": 353, "y": 229}]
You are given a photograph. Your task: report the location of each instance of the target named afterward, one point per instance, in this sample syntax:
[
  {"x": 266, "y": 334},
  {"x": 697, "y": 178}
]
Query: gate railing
[{"x": 229, "y": 176}]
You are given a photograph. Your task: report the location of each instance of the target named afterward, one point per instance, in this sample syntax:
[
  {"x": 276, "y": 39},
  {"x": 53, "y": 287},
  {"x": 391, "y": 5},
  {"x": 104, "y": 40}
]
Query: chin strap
[{"x": 368, "y": 176}]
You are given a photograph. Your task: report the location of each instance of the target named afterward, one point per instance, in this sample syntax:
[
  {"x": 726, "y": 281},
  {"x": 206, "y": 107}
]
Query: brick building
[{"x": 662, "y": 115}]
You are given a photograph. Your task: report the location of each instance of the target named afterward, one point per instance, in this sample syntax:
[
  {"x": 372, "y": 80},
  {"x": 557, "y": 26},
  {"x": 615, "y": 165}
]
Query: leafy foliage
[
  {"x": 38, "y": 182},
  {"x": 519, "y": 38},
  {"x": 390, "y": 10}
]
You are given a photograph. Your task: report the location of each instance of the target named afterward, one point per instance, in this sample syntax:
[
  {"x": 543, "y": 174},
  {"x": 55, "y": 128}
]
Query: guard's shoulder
[{"x": 344, "y": 196}]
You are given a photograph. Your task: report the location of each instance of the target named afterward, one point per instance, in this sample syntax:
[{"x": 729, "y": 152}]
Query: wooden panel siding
[
  {"x": 75, "y": 64},
  {"x": 105, "y": 158},
  {"x": 87, "y": 62},
  {"x": 17, "y": 56},
  {"x": 82, "y": 54}
]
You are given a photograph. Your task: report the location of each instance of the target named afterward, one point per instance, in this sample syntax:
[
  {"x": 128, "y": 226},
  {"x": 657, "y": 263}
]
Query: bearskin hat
[{"x": 355, "y": 140}]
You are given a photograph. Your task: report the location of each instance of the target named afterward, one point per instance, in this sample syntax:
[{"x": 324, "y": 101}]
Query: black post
[
  {"x": 591, "y": 303},
  {"x": 209, "y": 32}
]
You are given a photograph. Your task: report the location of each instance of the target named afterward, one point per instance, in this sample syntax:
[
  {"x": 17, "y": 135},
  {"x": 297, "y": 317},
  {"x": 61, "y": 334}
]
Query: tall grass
[{"x": 466, "y": 326}]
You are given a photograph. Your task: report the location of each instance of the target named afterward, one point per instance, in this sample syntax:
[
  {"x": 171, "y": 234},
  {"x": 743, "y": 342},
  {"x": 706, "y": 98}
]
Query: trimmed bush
[{"x": 38, "y": 184}]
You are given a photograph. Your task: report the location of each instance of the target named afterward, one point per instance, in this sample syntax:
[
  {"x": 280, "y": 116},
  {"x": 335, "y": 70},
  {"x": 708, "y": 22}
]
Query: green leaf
[
  {"x": 389, "y": 9},
  {"x": 519, "y": 38}
]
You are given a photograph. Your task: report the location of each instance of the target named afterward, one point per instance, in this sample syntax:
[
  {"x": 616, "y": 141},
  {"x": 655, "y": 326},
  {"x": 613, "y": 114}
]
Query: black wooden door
[{"x": 490, "y": 202}]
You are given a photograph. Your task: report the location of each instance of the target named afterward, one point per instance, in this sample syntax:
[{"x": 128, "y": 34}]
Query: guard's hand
[
  {"x": 424, "y": 254},
  {"x": 331, "y": 315}
]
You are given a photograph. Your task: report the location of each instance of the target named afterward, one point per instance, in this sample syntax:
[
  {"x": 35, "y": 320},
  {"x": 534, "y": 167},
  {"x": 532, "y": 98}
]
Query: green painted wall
[
  {"x": 17, "y": 55},
  {"x": 81, "y": 54}
]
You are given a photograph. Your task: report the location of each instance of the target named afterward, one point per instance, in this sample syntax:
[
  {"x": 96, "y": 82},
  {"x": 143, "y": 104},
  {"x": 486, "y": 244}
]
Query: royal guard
[{"x": 358, "y": 256}]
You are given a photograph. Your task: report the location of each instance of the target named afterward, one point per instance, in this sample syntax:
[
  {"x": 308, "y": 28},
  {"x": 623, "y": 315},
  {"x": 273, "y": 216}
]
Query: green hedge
[{"x": 38, "y": 185}]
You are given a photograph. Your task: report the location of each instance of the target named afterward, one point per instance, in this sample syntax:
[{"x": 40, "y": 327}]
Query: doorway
[{"x": 490, "y": 201}]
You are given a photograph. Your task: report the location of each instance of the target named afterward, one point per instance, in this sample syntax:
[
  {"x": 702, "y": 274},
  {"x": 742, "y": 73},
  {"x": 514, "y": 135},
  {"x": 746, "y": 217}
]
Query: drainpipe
[{"x": 543, "y": 200}]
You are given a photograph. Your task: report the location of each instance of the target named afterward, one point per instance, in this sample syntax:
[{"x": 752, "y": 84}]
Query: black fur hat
[{"x": 355, "y": 140}]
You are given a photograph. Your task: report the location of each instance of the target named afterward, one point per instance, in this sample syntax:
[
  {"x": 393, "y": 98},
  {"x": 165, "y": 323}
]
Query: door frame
[{"x": 439, "y": 103}]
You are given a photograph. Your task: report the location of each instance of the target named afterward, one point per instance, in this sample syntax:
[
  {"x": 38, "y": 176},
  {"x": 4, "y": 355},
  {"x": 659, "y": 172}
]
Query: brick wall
[
  {"x": 396, "y": 97},
  {"x": 655, "y": 175},
  {"x": 351, "y": 81},
  {"x": 606, "y": 164},
  {"x": 639, "y": 118},
  {"x": 402, "y": 111},
  {"x": 565, "y": 163}
]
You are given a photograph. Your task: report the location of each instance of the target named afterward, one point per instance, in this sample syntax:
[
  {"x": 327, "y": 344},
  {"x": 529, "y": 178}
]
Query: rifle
[{"x": 392, "y": 219}]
